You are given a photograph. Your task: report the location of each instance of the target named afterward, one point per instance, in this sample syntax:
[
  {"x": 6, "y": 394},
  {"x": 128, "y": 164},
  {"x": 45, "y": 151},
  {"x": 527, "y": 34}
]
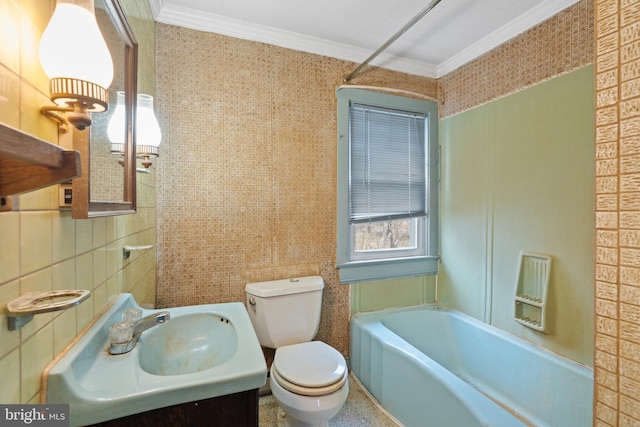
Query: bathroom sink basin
[
  {"x": 201, "y": 352},
  {"x": 187, "y": 344}
]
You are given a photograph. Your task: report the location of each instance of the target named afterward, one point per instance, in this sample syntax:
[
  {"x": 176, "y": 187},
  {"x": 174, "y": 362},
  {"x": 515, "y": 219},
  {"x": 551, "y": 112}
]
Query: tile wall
[
  {"x": 42, "y": 247},
  {"x": 617, "y": 340}
]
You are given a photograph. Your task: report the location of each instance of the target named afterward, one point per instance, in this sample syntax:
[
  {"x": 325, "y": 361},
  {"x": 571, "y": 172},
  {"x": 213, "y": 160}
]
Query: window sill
[{"x": 373, "y": 270}]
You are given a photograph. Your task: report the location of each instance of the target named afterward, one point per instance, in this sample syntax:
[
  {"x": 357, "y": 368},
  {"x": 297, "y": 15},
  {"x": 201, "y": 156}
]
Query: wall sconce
[
  {"x": 115, "y": 128},
  {"x": 148, "y": 134},
  {"x": 79, "y": 76}
]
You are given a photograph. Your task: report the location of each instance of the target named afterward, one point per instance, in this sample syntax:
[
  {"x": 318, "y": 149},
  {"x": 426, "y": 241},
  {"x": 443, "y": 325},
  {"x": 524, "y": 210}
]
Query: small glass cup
[{"x": 121, "y": 332}]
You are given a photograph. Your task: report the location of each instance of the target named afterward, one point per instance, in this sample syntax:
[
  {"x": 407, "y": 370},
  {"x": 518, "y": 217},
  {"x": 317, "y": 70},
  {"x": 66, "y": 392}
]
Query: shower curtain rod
[{"x": 393, "y": 38}]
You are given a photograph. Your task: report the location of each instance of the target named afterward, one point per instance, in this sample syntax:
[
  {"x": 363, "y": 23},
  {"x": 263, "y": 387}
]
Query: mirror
[{"x": 108, "y": 182}]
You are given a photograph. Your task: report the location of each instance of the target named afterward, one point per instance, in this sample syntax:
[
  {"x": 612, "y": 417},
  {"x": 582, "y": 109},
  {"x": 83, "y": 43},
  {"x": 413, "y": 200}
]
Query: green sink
[
  {"x": 187, "y": 344},
  {"x": 202, "y": 351}
]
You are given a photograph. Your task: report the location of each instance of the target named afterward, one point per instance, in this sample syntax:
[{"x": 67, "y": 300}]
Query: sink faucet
[{"x": 139, "y": 326}]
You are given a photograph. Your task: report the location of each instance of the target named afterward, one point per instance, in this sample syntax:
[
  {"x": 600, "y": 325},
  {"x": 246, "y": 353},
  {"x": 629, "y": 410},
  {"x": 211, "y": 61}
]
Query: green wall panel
[
  {"x": 391, "y": 293},
  {"x": 518, "y": 175}
]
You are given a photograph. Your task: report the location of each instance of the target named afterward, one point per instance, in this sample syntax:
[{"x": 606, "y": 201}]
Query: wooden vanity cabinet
[{"x": 237, "y": 410}]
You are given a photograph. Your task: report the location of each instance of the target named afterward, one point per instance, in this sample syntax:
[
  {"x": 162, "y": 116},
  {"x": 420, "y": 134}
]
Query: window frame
[{"x": 379, "y": 268}]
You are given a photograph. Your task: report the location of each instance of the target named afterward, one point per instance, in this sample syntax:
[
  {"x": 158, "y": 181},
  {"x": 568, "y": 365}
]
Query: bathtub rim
[{"x": 379, "y": 314}]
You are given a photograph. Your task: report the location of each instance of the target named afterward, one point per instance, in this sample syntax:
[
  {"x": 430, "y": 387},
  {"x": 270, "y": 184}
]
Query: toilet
[{"x": 309, "y": 379}]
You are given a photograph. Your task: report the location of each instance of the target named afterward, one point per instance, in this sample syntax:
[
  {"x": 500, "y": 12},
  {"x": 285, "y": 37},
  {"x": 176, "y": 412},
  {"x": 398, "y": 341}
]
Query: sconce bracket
[
  {"x": 75, "y": 98},
  {"x": 77, "y": 116},
  {"x": 55, "y": 113}
]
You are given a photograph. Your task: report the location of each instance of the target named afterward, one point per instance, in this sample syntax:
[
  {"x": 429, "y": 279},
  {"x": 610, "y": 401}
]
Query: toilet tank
[{"x": 285, "y": 312}]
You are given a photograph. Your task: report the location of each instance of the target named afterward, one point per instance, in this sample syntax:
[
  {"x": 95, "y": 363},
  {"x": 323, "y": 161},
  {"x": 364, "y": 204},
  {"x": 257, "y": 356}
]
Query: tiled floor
[{"x": 358, "y": 410}]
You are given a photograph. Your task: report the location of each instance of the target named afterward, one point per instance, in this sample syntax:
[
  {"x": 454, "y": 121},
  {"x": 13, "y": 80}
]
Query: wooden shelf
[{"x": 28, "y": 163}]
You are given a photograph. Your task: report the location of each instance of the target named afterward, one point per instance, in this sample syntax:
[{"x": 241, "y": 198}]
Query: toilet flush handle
[{"x": 252, "y": 303}]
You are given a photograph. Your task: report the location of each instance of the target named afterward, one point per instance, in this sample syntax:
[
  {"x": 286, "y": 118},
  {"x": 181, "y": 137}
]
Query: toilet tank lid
[{"x": 285, "y": 286}]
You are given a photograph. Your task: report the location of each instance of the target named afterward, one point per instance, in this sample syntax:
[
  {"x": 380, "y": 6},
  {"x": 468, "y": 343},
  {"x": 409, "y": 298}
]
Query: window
[{"x": 387, "y": 186}]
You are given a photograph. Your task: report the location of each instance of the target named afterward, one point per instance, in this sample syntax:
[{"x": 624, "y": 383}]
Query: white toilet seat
[
  {"x": 307, "y": 391},
  {"x": 309, "y": 369}
]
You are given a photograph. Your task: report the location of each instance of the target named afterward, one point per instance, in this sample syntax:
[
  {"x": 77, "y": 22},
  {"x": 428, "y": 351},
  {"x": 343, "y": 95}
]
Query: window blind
[{"x": 388, "y": 165}]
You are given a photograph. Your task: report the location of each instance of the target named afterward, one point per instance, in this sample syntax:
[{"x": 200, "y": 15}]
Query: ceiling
[{"x": 451, "y": 34}]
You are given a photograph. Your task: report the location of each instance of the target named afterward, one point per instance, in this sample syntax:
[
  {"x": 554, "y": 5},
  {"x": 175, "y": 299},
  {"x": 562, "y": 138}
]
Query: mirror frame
[{"x": 82, "y": 205}]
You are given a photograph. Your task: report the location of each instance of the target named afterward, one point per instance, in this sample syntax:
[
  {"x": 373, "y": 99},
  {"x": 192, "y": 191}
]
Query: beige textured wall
[
  {"x": 617, "y": 341},
  {"x": 247, "y": 177},
  {"x": 556, "y": 46},
  {"x": 42, "y": 247}
]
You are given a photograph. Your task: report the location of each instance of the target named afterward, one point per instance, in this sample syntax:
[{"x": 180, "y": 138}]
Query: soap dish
[
  {"x": 20, "y": 311},
  {"x": 531, "y": 290}
]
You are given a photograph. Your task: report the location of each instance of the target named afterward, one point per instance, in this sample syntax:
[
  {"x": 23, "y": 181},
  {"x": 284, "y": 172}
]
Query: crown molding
[
  {"x": 156, "y": 7},
  {"x": 198, "y": 20},
  {"x": 169, "y": 13},
  {"x": 533, "y": 17}
]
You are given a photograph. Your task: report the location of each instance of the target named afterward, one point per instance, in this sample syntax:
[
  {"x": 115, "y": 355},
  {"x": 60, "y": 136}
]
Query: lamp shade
[
  {"x": 72, "y": 45},
  {"x": 115, "y": 128},
  {"x": 148, "y": 134}
]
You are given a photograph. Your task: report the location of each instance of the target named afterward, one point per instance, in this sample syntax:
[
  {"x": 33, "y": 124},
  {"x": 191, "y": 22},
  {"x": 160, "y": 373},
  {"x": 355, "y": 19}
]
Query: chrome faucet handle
[{"x": 139, "y": 326}]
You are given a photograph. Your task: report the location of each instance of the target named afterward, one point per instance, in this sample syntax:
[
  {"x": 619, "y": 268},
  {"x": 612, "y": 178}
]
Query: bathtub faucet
[{"x": 139, "y": 326}]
